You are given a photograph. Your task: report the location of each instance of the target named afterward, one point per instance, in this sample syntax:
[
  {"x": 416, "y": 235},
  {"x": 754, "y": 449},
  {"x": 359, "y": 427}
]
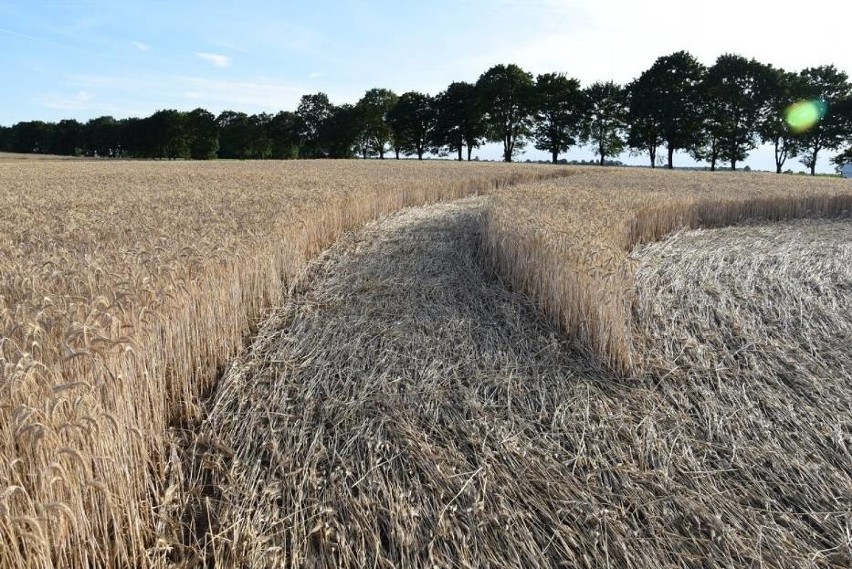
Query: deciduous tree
[
  {"x": 340, "y": 132},
  {"x": 605, "y": 121},
  {"x": 313, "y": 112},
  {"x": 559, "y": 104},
  {"x": 234, "y": 135},
  {"x": 283, "y": 130},
  {"x": 784, "y": 89},
  {"x": 412, "y": 122},
  {"x": 202, "y": 134},
  {"x": 665, "y": 100},
  {"x": 733, "y": 98},
  {"x": 507, "y": 96},
  {"x": 375, "y": 107},
  {"x": 459, "y": 119},
  {"x": 827, "y": 87}
]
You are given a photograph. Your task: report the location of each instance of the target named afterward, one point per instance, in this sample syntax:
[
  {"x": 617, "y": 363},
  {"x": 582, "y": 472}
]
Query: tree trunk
[
  {"x": 460, "y": 152},
  {"x": 652, "y": 152},
  {"x": 733, "y": 165},
  {"x": 469, "y": 152},
  {"x": 780, "y": 158},
  {"x": 420, "y": 154},
  {"x": 712, "y": 163},
  {"x": 555, "y": 155},
  {"x": 813, "y": 167},
  {"x": 671, "y": 158}
]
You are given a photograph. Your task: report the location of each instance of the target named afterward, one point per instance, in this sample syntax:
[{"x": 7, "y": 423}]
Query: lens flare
[{"x": 804, "y": 115}]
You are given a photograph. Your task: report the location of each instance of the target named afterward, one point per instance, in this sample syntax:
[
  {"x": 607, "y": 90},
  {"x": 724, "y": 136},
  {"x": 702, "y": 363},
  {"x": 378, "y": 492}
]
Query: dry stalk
[
  {"x": 124, "y": 288},
  {"x": 566, "y": 242}
]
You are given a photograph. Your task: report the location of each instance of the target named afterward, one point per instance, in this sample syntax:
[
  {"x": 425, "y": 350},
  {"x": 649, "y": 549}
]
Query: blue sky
[{"x": 82, "y": 59}]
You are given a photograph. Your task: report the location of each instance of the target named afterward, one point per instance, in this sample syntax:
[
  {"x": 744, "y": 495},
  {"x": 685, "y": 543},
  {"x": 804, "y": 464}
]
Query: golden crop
[
  {"x": 124, "y": 287},
  {"x": 567, "y": 242}
]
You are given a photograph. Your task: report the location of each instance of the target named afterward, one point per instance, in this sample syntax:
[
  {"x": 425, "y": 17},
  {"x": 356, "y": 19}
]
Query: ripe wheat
[{"x": 124, "y": 288}]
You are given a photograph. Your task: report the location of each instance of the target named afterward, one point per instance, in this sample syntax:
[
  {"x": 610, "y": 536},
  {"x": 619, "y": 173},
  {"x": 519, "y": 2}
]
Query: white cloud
[
  {"x": 316, "y": 75},
  {"x": 142, "y": 46},
  {"x": 246, "y": 96},
  {"x": 216, "y": 59},
  {"x": 81, "y": 100}
]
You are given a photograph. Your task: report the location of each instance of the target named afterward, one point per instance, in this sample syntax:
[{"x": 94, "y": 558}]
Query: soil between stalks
[{"x": 404, "y": 409}]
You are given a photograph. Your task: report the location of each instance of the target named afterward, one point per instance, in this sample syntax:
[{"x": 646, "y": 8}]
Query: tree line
[{"x": 717, "y": 114}]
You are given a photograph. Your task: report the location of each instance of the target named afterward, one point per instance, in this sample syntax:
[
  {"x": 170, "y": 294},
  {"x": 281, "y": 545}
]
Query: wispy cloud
[
  {"x": 243, "y": 95},
  {"x": 218, "y": 60},
  {"x": 316, "y": 75},
  {"x": 80, "y": 101},
  {"x": 142, "y": 46}
]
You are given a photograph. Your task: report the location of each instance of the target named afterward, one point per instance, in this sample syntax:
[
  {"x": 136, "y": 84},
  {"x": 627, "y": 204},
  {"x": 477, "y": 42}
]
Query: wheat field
[
  {"x": 124, "y": 289},
  {"x": 397, "y": 404},
  {"x": 404, "y": 409},
  {"x": 567, "y": 242}
]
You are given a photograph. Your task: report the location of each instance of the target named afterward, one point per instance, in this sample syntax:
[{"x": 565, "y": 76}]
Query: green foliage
[
  {"x": 830, "y": 86},
  {"x": 783, "y": 90},
  {"x": 283, "y": 133},
  {"x": 559, "y": 108},
  {"x": 67, "y": 138},
  {"x": 843, "y": 158},
  {"x": 507, "y": 99},
  {"x": 734, "y": 94},
  {"x": 459, "y": 119},
  {"x": 312, "y": 113},
  {"x": 374, "y": 108},
  {"x": 645, "y": 132},
  {"x": 666, "y": 102},
  {"x": 5, "y": 139},
  {"x": 718, "y": 115},
  {"x": 606, "y": 119},
  {"x": 412, "y": 121},
  {"x": 202, "y": 134},
  {"x": 167, "y": 128},
  {"x": 102, "y": 137},
  {"x": 340, "y": 132},
  {"x": 234, "y": 135},
  {"x": 32, "y": 136}
]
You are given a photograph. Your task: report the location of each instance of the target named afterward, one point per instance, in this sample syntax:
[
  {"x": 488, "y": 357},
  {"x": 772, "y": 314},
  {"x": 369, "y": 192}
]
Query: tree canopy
[
  {"x": 718, "y": 115},
  {"x": 559, "y": 109},
  {"x": 666, "y": 99},
  {"x": 375, "y": 108},
  {"x": 507, "y": 99},
  {"x": 605, "y": 119},
  {"x": 828, "y": 89},
  {"x": 412, "y": 121}
]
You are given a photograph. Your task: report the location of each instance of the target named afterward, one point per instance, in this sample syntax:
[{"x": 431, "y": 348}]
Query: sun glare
[{"x": 804, "y": 115}]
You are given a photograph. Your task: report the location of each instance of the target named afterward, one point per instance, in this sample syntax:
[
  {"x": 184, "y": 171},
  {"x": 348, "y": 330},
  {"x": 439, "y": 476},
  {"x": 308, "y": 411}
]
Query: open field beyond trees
[{"x": 630, "y": 402}]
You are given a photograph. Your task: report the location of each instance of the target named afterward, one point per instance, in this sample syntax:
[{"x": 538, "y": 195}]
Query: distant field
[
  {"x": 126, "y": 288},
  {"x": 6, "y": 156}
]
